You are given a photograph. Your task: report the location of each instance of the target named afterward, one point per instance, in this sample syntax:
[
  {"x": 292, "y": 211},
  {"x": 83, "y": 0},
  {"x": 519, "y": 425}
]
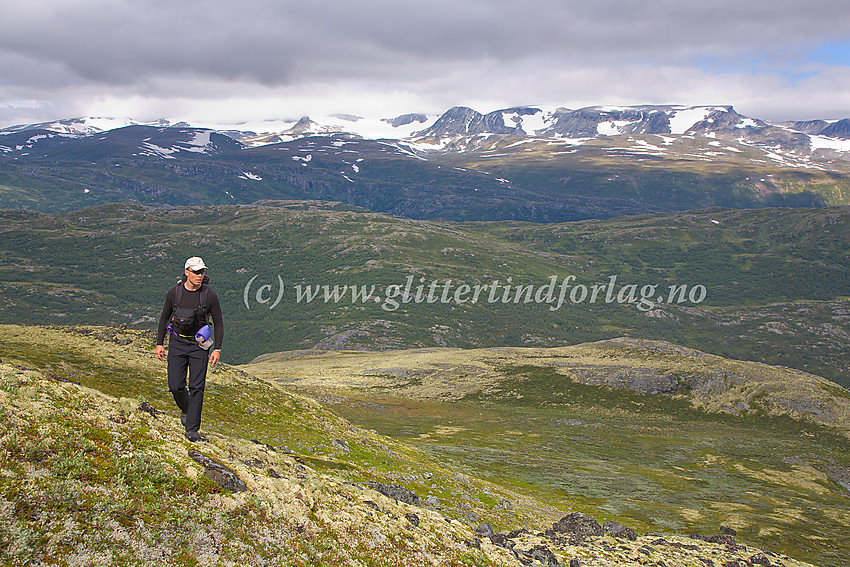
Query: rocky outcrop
[
  {"x": 618, "y": 531},
  {"x": 225, "y": 477},
  {"x": 396, "y": 492},
  {"x": 405, "y": 119},
  {"x": 463, "y": 121},
  {"x": 578, "y": 526}
]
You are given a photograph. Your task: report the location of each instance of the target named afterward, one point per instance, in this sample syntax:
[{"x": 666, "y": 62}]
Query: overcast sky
[{"x": 226, "y": 61}]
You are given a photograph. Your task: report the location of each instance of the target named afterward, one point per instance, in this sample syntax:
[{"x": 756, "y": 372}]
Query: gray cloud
[{"x": 63, "y": 48}]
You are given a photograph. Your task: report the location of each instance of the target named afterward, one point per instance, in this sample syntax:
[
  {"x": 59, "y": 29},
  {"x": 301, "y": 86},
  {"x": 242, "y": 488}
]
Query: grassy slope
[
  {"x": 685, "y": 461},
  {"x": 89, "y": 478}
]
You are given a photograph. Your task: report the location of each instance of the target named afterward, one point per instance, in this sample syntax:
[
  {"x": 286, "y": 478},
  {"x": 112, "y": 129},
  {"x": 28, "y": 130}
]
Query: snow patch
[
  {"x": 826, "y": 143},
  {"x": 249, "y": 175},
  {"x": 529, "y": 123},
  {"x": 200, "y": 142},
  {"x": 747, "y": 123},
  {"x": 150, "y": 149},
  {"x": 649, "y": 146},
  {"x": 612, "y": 128},
  {"x": 683, "y": 120}
]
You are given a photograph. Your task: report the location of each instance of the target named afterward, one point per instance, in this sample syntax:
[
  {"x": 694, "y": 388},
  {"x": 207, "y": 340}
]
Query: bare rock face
[{"x": 223, "y": 476}]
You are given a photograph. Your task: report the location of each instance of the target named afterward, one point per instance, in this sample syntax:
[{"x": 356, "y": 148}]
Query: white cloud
[{"x": 225, "y": 61}]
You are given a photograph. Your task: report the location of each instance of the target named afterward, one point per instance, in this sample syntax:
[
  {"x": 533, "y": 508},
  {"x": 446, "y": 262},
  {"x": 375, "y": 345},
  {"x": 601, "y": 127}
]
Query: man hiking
[{"x": 188, "y": 307}]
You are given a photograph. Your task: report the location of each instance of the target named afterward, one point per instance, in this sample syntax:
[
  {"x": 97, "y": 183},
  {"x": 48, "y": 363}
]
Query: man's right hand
[{"x": 160, "y": 352}]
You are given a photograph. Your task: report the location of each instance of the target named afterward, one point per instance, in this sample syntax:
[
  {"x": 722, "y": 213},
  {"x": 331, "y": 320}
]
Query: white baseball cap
[{"x": 194, "y": 263}]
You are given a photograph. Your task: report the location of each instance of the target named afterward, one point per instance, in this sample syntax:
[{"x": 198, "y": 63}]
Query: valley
[{"x": 441, "y": 326}]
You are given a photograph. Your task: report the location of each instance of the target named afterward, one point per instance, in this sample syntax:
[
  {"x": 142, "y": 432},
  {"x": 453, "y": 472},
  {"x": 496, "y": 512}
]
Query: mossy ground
[
  {"x": 89, "y": 478},
  {"x": 654, "y": 462}
]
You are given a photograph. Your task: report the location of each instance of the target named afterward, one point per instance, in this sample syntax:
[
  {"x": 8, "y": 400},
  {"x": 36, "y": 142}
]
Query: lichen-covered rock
[
  {"x": 578, "y": 526},
  {"x": 619, "y": 531},
  {"x": 395, "y": 492},
  {"x": 223, "y": 476},
  {"x": 540, "y": 554}
]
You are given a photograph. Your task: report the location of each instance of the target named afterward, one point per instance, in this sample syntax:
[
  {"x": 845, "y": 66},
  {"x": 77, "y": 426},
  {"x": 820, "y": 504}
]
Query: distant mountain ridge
[
  {"x": 521, "y": 163},
  {"x": 720, "y": 122}
]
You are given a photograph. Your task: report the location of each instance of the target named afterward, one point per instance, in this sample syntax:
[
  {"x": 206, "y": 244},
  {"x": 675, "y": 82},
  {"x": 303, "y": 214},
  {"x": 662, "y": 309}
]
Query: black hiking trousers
[{"x": 183, "y": 356}]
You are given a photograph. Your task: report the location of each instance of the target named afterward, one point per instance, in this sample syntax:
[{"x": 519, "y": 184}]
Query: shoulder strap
[{"x": 178, "y": 294}]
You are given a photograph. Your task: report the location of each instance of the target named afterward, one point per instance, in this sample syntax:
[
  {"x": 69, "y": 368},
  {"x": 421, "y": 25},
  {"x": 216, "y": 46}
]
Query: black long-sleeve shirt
[{"x": 190, "y": 300}]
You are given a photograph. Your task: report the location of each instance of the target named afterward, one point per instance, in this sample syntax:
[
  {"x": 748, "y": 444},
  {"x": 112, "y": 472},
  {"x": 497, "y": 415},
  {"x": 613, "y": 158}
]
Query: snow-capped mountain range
[
  {"x": 522, "y": 163},
  {"x": 462, "y": 128}
]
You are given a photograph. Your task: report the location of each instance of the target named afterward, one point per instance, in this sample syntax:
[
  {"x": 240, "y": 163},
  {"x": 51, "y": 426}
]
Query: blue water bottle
[{"x": 204, "y": 337}]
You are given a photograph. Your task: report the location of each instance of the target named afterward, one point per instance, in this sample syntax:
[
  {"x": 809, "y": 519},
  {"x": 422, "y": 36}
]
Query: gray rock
[
  {"x": 578, "y": 525},
  {"x": 147, "y": 407},
  {"x": 433, "y": 502},
  {"x": 539, "y": 553},
  {"x": 223, "y": 476},
  {"x": 619, "y": 531},
  {"x": 502, "y": 540},
  {"x": 474, "y": 542},
  {"x": 723, "y": 539},
  {"x": 472, "y": 518},
  {"x": 341, "y": 445},
  {"x": 396, "y": 492},
  {"x": 412, "y": 518},
  {"x": 372, "y": 505},
  {"x": 485, "y": 530}
]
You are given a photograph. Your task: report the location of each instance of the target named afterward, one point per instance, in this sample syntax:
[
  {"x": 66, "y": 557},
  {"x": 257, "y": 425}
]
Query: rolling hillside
[
  {"x": 776, "y": 281},
  {"x": 96, "y": 469}
]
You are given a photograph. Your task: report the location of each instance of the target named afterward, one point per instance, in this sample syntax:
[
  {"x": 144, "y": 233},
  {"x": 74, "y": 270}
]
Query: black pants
[{"x": 183, "y": 355}]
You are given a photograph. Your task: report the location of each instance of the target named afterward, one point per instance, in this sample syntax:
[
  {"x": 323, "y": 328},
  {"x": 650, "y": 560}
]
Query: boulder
[
  {"x": 502, "y": 540},
  {"x": 540, "y": 554},
  {"x": 578, "y": 526},
  {"x": 396, "y": 492},
  {"x": 618, "y": 531}
]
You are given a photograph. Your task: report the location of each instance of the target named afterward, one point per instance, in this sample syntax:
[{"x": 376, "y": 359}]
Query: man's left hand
[{"x": 216, "y": 354}]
